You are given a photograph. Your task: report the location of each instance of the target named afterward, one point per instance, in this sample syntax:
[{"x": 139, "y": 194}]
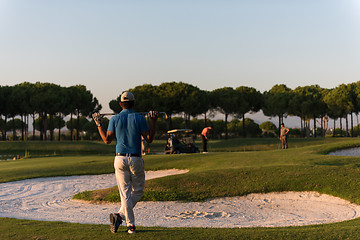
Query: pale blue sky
[{"x": 111, "y": 46}]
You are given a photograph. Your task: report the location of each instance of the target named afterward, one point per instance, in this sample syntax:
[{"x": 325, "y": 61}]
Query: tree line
[
  {"x": 309, "y": 103},
  {"x": 48, "y": 104}
]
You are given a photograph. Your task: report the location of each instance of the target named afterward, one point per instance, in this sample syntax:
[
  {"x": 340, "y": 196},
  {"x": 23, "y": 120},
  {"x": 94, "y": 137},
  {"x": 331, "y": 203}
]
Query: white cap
[{"x": 127, "y": 97}]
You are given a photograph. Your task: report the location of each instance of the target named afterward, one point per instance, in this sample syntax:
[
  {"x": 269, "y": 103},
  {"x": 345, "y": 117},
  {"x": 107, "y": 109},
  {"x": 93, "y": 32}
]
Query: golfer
[
  {"x": 127, "y": 127},
  {"x": 204, "y": 137},
  {"x": 283, "y": 136}
]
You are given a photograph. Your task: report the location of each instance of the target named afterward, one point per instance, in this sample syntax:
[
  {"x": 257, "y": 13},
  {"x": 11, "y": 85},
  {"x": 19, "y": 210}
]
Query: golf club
[{"x": 142, "y": 113}]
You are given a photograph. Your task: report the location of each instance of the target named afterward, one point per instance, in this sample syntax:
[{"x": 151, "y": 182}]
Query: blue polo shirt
[{"x": 128, "y": 126}]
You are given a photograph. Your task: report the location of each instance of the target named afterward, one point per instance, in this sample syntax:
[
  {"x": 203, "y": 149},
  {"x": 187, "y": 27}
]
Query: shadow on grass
[{"x": 330, "y": 164}]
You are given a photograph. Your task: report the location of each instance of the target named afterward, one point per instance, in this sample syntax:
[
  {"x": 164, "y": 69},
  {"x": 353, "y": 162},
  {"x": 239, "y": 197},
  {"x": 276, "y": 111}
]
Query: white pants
[{"x": 130, "y": 178}]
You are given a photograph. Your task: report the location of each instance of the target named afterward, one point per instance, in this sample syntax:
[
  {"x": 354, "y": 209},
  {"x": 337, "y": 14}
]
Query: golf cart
[{"x": 180, "y": 141}]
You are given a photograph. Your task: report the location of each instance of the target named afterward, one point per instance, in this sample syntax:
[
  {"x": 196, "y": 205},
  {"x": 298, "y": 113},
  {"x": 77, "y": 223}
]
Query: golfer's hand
[
  {"x": 154, "y": 115},
  {"x": 97, "y": 119}
]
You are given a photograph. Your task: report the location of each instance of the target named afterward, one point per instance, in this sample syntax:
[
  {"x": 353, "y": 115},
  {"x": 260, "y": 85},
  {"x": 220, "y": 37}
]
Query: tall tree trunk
[
  {"x": 41, "y": 126},
  {"x": 226, "y": 129},
  {"x": 334, "y": 128},
  {"x": 78, "y": 125},
  {"x": 33, "y": 136},
  {"x": 13, "y": 128},
  {"x": 326, "y": 125},
  {"x": 322, "y": 125},
  {"x": 307, "y": 128},
  {"x": 1, "y": 128},
  {"x": 205, "y": 119},
  {"x": 347, "y": 125},
  {"x": 5, "y": 128},
  {"x": 22, "y": 126},
  {"x": 71, "y": 126},
  {"x": 340, "y": 127},
  {"x": 169, "y": 122},
  {"x": 27, "y": 126},
  {"x": 279, "y": 124},
  {"x": 187, "y": 120},
  {"x": 51, "y": 118},
  {"x": 244, "y": 130},
  {"x": 357, "y": 120},
  {"x": 314, "y": 126},
  {"x": 59, "y": 126},
  {"x": 45, "y": 126},
  {"x": 352, "y": 125}
]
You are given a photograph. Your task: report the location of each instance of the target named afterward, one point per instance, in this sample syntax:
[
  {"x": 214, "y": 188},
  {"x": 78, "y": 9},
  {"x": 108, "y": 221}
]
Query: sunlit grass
[
  {"x": 303, "y": 167},
  {"x": 240, "y": 173},
  {"x": 47, "y": 148},
  {"x": 16, "y": 229},
  {"x": 55, "y": 166}
]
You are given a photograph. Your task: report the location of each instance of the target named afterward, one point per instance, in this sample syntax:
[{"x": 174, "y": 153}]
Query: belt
[{"x": 128, "y": 154}]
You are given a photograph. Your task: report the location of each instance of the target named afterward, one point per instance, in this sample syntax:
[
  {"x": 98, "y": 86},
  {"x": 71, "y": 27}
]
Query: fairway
[{"x": 214, "y": 175}]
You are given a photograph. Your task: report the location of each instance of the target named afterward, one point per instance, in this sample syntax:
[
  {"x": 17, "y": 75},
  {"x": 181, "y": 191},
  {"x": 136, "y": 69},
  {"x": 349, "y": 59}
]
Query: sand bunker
[
  {"x": 353, "y": 152},
  {"x": 49, "y": 199}
]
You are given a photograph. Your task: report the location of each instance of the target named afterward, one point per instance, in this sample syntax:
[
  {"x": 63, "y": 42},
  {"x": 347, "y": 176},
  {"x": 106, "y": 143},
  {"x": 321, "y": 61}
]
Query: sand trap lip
[{"x": 49, "y": 199}]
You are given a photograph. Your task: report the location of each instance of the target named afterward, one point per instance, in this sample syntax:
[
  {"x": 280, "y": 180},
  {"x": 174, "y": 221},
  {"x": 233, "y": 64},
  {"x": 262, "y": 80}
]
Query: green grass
[
  {"x": 240, "y": 173},
  {"x": 261, "y": 144},
  {"x": 45, "y": 148},
  {"x": 16, "y": 229},
  {"x": 68, "y": 148},
  {"x": 224, "y": 173},
  {"x": 54, "y": 166}
]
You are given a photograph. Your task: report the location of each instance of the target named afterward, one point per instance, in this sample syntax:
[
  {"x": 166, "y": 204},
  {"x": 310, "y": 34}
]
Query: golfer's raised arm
[
  {"x": 106, "y": 137},
  {"x": 149, "y": 135}
]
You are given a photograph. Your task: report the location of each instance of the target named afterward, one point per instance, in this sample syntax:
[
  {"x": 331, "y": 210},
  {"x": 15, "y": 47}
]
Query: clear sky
[{"x": 113, "y": 45}]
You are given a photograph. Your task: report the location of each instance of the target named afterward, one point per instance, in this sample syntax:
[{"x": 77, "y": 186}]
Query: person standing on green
[
  {"x": 204, "y": 138},
  {"x": 127, "y": 128},
  {"x": 283, "y": 136}
]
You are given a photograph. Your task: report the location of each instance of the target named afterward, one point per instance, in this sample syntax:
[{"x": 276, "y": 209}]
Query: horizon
[{"x": 116, "y": 45}]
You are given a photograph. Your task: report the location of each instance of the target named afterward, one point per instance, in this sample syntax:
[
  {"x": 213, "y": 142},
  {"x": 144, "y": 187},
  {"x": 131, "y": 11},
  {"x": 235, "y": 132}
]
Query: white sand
[
  {"x": 50, "y": 199},
  {"x": 354, "y": 152}
]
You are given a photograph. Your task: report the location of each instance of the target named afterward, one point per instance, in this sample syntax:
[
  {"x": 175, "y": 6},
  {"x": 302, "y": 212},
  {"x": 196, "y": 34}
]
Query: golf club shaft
[{"x": 142, "y": 113}]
